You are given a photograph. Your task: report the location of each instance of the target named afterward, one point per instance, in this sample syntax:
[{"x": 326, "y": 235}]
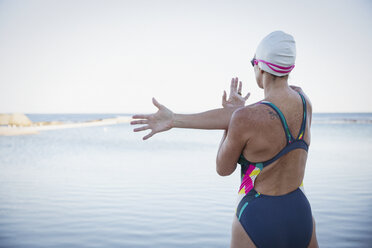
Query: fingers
[
  {"x": 156, "y": 103},
  {"x": 224, "y": 97},
  {"x": 149, "y": 135},
  {"x": 234, "y": 85},
  {"x": 247, "y": 96},
  {"x": 140, "y": 116},
  {"x": 240, "y": 88},
  {"x": 141, "y": 129},
  {"x": 139, "y": 122}
]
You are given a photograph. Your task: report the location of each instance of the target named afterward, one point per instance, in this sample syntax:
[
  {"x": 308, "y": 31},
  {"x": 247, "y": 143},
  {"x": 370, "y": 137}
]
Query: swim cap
[{"x": 276, "y": 54}]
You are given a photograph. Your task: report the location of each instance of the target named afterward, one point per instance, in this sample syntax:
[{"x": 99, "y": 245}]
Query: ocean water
[{"x": 105, "y": 187}]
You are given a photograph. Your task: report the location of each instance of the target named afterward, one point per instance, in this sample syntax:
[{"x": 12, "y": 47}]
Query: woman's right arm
[{"x": 164, "y": 119}]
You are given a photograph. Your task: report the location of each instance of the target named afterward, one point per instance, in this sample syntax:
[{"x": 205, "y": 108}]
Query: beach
[{"x": 12, "y": 129}]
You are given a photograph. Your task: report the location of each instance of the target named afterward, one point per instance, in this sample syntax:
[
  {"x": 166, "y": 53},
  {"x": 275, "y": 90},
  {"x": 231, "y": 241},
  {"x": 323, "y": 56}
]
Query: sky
[{"x": 76, "y": 56}]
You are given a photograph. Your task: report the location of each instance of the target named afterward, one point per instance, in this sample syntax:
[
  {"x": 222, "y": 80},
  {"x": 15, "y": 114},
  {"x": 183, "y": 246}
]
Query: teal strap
[
  {"x": 301, "y": 134},
  {"x": 242, "y": 210},
  {"x": 282, "y": 118}
]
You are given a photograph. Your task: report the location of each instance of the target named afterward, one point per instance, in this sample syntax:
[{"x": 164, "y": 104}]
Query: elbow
[
  {"x": 224, "y": 167},
  {"x": 223, "y": 171},
  {"x": 220, "y": 172}
]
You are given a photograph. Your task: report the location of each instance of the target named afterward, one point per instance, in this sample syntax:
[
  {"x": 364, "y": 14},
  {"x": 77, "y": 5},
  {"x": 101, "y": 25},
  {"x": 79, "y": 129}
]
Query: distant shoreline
[
  {"x": 342, "y": 121},
  {"x": 36, "y": 127}
]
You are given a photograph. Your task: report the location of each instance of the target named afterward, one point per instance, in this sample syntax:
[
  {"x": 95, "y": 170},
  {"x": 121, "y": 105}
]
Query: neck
[{"x": 272, "y": 85}]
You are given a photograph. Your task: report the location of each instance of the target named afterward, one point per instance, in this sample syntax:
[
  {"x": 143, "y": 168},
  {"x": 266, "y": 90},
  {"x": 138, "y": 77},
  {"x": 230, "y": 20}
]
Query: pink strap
[{"x": 281, "y": 69}]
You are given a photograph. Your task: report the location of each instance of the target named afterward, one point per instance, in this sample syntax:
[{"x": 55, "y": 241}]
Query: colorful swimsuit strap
[
  {"x": 303, "y": 125},
  {"x": 284, "y": 122},
  {"x": 289, "y": 147},
  {"x": 291, "y": 143},
  {"x": 282, "y": 118}
]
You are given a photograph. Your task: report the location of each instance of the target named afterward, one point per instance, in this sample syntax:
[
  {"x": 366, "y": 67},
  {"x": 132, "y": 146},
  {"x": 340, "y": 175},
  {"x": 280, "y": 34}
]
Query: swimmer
[{"x": 269, "y": 140}]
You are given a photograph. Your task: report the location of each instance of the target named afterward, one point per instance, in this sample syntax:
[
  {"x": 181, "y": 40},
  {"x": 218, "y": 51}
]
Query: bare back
[{"x": 267, "y": 138}]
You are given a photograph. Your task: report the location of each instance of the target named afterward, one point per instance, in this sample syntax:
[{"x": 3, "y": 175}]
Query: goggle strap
[{"x": 281, "y": 69}]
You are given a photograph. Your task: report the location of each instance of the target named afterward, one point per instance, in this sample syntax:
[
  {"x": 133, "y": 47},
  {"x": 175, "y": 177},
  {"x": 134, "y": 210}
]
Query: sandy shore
[{"x": 37, "y": 127}]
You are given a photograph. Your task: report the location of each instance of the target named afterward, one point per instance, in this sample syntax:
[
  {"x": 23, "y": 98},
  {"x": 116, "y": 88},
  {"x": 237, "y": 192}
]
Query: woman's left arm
[{"x": 232, "y": 143}]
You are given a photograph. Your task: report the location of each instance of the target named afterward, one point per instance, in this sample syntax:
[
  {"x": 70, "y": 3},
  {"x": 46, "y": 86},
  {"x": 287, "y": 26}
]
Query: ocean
[{"x": 106, "y": 187}]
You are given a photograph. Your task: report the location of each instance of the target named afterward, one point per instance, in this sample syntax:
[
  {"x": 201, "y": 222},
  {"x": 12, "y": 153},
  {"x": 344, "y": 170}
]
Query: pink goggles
[{"x": 278, "y": 68}]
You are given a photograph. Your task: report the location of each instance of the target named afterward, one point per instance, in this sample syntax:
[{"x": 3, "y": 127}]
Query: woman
[{"x": 272, "y": 209}]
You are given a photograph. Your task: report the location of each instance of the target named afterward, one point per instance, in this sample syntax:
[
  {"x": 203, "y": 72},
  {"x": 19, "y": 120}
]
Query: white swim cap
[{"x": 276, "y": 54}]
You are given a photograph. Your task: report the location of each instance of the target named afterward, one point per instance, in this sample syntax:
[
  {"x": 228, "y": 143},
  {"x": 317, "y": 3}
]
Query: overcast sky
[{"x": 113, "y": 56}]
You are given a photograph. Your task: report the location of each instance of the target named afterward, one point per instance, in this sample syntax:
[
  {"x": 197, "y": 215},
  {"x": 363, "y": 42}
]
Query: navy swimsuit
[{"x": 275, "y": 221}]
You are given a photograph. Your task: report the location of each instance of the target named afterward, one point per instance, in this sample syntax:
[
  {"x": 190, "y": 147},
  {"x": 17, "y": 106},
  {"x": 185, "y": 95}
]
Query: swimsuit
[{"x": 275, "y": 221}]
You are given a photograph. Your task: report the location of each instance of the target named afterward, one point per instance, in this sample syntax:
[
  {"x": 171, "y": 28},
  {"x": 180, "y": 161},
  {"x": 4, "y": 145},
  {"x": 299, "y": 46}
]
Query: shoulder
[
  {"x": 307, "y": 99},
  {"x": 299, "y": 90},
  {"x": 247, "y": 117}
]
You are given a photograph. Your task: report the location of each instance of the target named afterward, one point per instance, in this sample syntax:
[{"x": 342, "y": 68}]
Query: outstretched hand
[
  {"x": 235, "y": 98},
  {"x": 158, "y": 122}
]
